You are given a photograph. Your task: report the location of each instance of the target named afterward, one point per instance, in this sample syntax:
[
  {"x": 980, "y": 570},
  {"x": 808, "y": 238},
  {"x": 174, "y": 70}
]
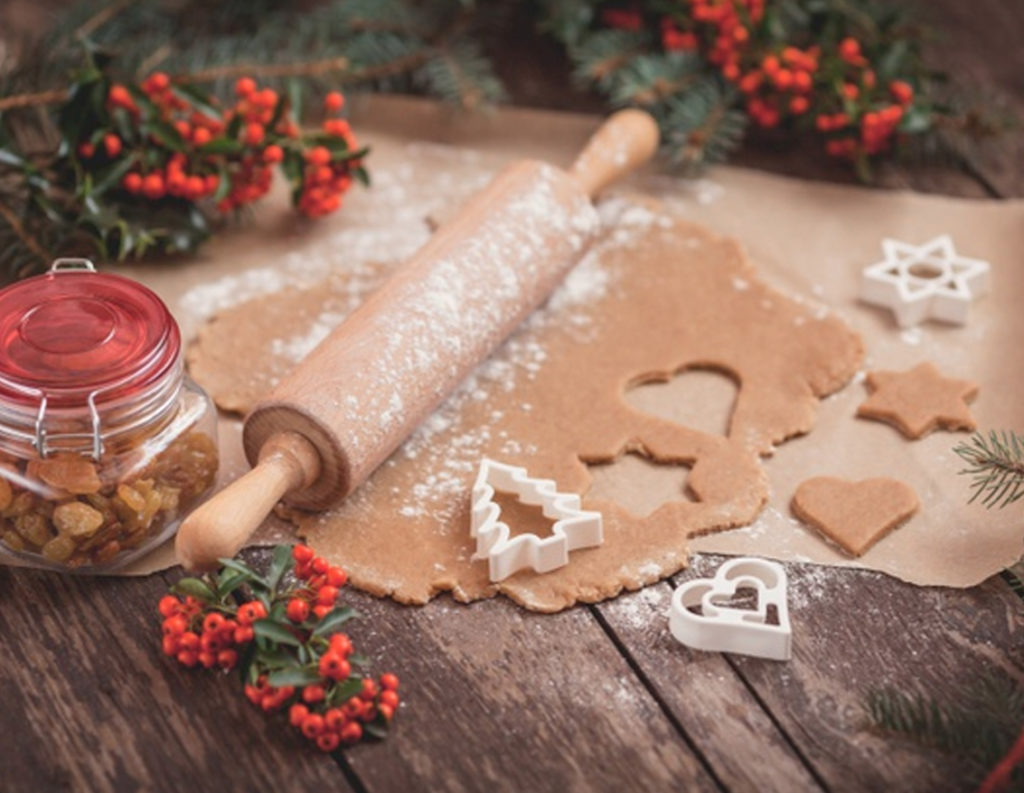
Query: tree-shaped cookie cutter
[
  {"x": 732, "y": 630},
  {"x": 574, "y": 528}
]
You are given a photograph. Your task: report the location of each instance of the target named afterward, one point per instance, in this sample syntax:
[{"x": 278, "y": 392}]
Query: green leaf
[
  {"x": 194, "y": 587},
  {"x": 358, "y": 660},
  {"x": 347, "y": 689},
  {"x": 241, "y": 567},
  {"x": 224, "y": 185},
  {"x": 280, "y": 563},
  {"x": 112, "y": 177},
  {"x": 268, "y": 629},
  {"x": 221, "y": 146},
  {"x": 334, "y": 620},
  {"x": 230, "y": 581},
  {"x": 296, "y": 676},
  {"x": 200, "y": 100},
  {"x": 376, "y": 730}
]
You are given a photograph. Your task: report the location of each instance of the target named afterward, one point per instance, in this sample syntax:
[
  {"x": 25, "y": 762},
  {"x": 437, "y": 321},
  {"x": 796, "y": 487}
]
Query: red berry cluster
[
  {"x": 194, "y": 636},
  {"x": 328, "y": 726},
  {"x": 179, "y": 147},
  {"x": 327, "y": 700},
  {"x": 831, "y": 85}
]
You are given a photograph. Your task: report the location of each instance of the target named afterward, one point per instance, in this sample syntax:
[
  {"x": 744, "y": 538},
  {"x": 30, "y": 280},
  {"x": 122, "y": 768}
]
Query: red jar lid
[{"x": 73, "y": 332}]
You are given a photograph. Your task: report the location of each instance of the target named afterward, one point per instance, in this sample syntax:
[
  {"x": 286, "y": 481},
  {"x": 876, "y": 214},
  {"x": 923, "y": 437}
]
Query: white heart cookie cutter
[
  {"x": 732, "y": 630},
  {"x": 574, "y": 527}
]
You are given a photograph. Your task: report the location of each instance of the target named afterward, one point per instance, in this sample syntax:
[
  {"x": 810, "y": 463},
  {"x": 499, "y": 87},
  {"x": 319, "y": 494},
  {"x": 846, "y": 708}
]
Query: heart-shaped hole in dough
[{"x": 700, "y": 397}]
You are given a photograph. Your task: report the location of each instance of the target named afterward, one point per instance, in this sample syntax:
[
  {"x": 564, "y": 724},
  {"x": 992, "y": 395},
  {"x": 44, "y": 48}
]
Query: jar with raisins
[{"x": 105, "y": 442}]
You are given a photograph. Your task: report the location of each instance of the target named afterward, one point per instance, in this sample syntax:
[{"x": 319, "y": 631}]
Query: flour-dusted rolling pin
[{"x": 368, "y": 385}]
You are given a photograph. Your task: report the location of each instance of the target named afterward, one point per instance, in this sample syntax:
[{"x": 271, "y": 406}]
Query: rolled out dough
[{"x": 655, "y": 296}]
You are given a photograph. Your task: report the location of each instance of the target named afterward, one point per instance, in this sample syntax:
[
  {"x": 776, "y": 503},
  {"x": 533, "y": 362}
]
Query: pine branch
[
  {"x": 996, "y": 464},
  {"x": 978, "y": 728}
]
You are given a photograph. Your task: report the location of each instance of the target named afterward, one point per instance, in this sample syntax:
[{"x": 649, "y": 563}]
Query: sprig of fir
[{"x": 996, "y": 465}]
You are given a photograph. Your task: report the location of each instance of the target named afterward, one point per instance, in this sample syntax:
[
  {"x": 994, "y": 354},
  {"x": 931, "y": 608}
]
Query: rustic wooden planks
[
  {"x": 88, "y": 703},
  {"x": 503, "y": 699}
]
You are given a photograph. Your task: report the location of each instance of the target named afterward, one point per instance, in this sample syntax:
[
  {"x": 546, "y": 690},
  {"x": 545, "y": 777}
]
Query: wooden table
[{"x": 596, "y": 698}]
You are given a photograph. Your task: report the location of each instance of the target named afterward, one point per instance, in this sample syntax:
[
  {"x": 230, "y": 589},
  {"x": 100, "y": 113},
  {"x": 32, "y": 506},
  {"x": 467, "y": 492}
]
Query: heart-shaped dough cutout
[{"x": 854, "y": 515}]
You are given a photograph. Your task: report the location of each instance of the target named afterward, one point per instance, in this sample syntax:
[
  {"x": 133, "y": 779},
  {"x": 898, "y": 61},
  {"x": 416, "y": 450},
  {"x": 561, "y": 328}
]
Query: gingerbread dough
[
  {"x": 854, "y": 515},
  {"x": 919, "y": 400},
  {"x": 655, "y": 296}
]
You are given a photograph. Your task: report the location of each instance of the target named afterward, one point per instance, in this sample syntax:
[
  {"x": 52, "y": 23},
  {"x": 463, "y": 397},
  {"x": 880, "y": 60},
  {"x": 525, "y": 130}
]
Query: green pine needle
[
  {"x": 978, "y": 727},
  {"x": 996, "y": 465}
]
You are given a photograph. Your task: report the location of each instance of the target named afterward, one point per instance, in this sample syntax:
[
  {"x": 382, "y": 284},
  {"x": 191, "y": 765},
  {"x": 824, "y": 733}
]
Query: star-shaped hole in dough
[
  {"x": 919, "y": 282},
  {"x": 919, "y": 400}
]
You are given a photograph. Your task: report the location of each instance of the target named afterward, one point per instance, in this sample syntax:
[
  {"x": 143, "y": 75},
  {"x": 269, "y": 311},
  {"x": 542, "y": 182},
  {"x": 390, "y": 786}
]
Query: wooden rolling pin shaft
[{"x": 372, "y": 381}]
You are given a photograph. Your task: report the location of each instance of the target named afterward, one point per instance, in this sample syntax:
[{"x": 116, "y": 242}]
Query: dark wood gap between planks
[
  {"x": 645, "y": 681},
  {"x": 675, "y": 582}
]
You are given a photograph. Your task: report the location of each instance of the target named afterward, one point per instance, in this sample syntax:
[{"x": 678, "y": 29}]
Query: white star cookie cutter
[
  {"x": 725, "y": 629},
  {"x": 929, "y": 281},
  {"x": 574, "y": 527}
]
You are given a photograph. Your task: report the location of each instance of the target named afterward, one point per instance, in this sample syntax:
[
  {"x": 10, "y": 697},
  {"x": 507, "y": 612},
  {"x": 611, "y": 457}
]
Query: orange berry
[
  {"x": 159, "y": 81},
  {"x": 112, "y": 144},
  {"x": 120, "y": 97},
  {"x": 389, "y": 698},
  {"x": 798, "y": 105},
  {"x": 312, "y": 725},
  {"x": 273, "y": 154},
  {"x": 226, "y": 659},
  {"x": 389, "y": 681},
  {"x": 328, "y": 741},
  {"x": 850, "y": 91},
  {"x": 868, "y": 79},
  {"x": 188, "y": 658},
  {"x": 333, "y": 666},
  {"x": 297, "y": 610},
  {"x": 297, "y": 713},
  {"x": 335, "y": 719},
  {"x": 201, "y": 136},
  {"x": 169, "y": 645},
  {"x": 802, "y": 81},
  {"x": 254, "y": 134},
  {"x": 731, "y": 72},
  {"x": 386, "y": 711},
  {"x": 184, "y": 129},
  {"x": 153, "y": 186},
  {"x": 334, "y": 102},
  {"x": 313, "y": 693},
  {"x": 169, "y": 605},
  {"x": 249, "y": 612},
  {"x": 86, "y": 150},
  {"x": 318, "y": 155},
  {"x": 303, "y": 553},
  {"x": 849, "y": 48},
  {"x": 901, "y": 91},
  {"x": 195, "y": 187},
  {"x": 770, "y": 65},
  {"x": 783, "y": 79},
  {"x": 244, "y": 87},
  {"x": 267, "y": 98},
  {"x": 351, "y": 732}
]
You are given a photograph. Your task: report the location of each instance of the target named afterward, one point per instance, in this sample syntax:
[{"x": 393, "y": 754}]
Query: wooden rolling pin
[{"x": 367, "y": 386}]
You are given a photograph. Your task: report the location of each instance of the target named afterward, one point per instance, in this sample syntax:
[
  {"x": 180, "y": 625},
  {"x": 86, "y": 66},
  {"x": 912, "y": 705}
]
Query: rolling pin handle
[
  {"x": 220, "y": 527},
  {"x": 625, "y": 141}
]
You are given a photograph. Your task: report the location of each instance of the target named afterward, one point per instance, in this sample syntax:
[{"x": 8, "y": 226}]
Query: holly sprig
[{"x": 283, "y": 631}]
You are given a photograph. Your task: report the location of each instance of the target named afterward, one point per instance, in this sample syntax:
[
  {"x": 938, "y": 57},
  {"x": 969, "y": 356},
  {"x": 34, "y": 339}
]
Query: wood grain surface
[{"x": 597, "y": 698}]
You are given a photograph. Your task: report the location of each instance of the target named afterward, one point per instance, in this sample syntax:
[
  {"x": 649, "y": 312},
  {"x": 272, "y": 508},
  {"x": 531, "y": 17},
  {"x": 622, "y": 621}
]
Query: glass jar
[{"x": 105, "y": 443}]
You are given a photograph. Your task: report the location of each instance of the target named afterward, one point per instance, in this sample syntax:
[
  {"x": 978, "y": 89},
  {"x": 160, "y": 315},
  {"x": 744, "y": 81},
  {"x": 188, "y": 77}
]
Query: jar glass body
[
  {"x": 70, "y": 511},
  {"x": 105, "y": 443}
]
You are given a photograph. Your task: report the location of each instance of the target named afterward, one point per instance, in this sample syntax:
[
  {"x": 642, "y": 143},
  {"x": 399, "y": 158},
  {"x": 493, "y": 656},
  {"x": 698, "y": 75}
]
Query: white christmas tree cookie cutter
[
  {"x": 725, "y": 629},
  {"x": 929, "y": 281},
  {"x": 574, "y": 528}
]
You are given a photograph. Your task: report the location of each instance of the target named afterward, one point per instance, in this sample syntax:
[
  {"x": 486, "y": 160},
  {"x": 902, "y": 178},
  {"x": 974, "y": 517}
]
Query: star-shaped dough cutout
[
  {"x": 919, "y": 400},
  {"x": 919, "y": 282}
]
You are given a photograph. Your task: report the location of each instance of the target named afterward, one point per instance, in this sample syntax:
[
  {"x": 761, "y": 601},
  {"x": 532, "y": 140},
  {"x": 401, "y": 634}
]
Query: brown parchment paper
[{"x": 807, "y": 239}]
